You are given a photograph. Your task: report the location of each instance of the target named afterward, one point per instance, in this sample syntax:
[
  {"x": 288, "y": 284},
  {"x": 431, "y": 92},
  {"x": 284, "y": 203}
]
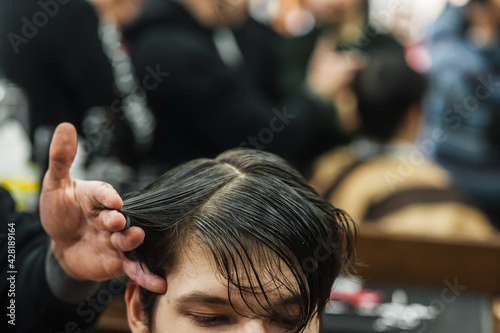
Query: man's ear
[{"x": 137, "y": 319}]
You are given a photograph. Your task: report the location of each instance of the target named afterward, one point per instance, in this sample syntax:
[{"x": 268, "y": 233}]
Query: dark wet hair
[
  {"x": 257, "y": 216},
  {"x": 385, "y": 90}
]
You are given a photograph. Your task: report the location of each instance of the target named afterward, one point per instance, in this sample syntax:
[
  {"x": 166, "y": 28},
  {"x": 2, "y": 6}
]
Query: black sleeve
[
  {"x": 24, "y": 284},
  {"x": 83, "y": 64}
]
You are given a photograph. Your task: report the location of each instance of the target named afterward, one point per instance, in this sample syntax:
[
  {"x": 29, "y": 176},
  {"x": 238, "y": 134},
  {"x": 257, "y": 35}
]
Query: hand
[{"x": 89, "y": 245}]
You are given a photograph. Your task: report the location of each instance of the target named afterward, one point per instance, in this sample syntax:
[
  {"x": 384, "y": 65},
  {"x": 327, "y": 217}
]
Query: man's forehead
[{"x": 197, "y": 271}]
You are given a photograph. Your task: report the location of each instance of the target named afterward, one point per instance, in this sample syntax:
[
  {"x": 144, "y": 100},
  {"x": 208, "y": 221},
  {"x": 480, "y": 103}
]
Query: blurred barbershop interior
[{"x": 389, "y": 108}]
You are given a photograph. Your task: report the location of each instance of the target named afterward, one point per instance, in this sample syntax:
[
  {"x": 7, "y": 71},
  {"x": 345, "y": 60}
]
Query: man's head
[
  {"x": 244, "y": 243},
  {"x": 389, "y": 94}
]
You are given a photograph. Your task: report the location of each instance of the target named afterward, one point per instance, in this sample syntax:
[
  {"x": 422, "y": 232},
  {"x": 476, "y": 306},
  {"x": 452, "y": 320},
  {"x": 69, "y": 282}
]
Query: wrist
[{"x": 62, "y": 285}]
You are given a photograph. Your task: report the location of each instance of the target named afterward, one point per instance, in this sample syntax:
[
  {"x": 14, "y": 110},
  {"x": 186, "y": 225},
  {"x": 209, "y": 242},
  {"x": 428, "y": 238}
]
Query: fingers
[
  {"x": 113, "y": 220},
  {"x": 144, "y": 278},
  {"x": 62, "y": 153},
  {"x": 128, "y": 240},
  {"x": 102, "y": 192}
]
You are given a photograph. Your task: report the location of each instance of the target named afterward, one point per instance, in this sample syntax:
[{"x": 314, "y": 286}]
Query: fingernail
[{"x": 128, "y": 223}]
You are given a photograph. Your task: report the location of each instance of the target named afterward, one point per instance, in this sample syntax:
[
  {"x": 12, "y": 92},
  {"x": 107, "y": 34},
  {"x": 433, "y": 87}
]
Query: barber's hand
[{"x": 89, "y": 245}]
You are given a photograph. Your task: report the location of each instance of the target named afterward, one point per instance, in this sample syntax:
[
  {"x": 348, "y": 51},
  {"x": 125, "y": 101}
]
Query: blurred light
[
  {"x": 459, "y": 3},
  {"x": 418, "y": 57},
  {"x": 2, "y": 92},
  {"x": 409, "y": 20},
  {"x": 299, "y": 22},
  {"x": 263, "y": 10}
]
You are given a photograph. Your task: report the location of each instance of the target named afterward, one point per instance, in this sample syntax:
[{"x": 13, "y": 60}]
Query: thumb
[{"x": 62, "y": 153}]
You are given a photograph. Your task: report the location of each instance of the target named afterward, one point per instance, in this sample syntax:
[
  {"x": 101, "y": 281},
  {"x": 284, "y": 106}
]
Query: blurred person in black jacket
[
  {"x": 51, "y": 49},
  {"x": 197, "y": 58},
  {"x": 48, "y": 279},
  {"x": 57, "y": 52}
]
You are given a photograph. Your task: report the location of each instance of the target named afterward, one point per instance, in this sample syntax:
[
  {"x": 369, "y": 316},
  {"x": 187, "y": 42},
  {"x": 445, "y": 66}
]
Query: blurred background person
[
  {"x": 325, "y": 41},
  {"x": 384, "y": 176},
  {"x": 345, "y": 24},
  {"x": 464, "y": 99},
  {"x": 209, "y": 97},
  {"x": 60, "y": 64},
  {"x": 71, "y": 68}
]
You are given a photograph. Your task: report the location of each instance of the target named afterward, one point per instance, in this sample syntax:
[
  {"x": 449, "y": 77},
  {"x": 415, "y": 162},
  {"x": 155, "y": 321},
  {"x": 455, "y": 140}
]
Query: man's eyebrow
[{"x": 203, "y": 297}]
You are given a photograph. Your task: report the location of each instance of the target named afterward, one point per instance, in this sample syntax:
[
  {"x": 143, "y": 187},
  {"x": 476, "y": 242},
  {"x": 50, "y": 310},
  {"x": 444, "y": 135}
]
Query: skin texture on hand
[{"x": 89, "y": 245}]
